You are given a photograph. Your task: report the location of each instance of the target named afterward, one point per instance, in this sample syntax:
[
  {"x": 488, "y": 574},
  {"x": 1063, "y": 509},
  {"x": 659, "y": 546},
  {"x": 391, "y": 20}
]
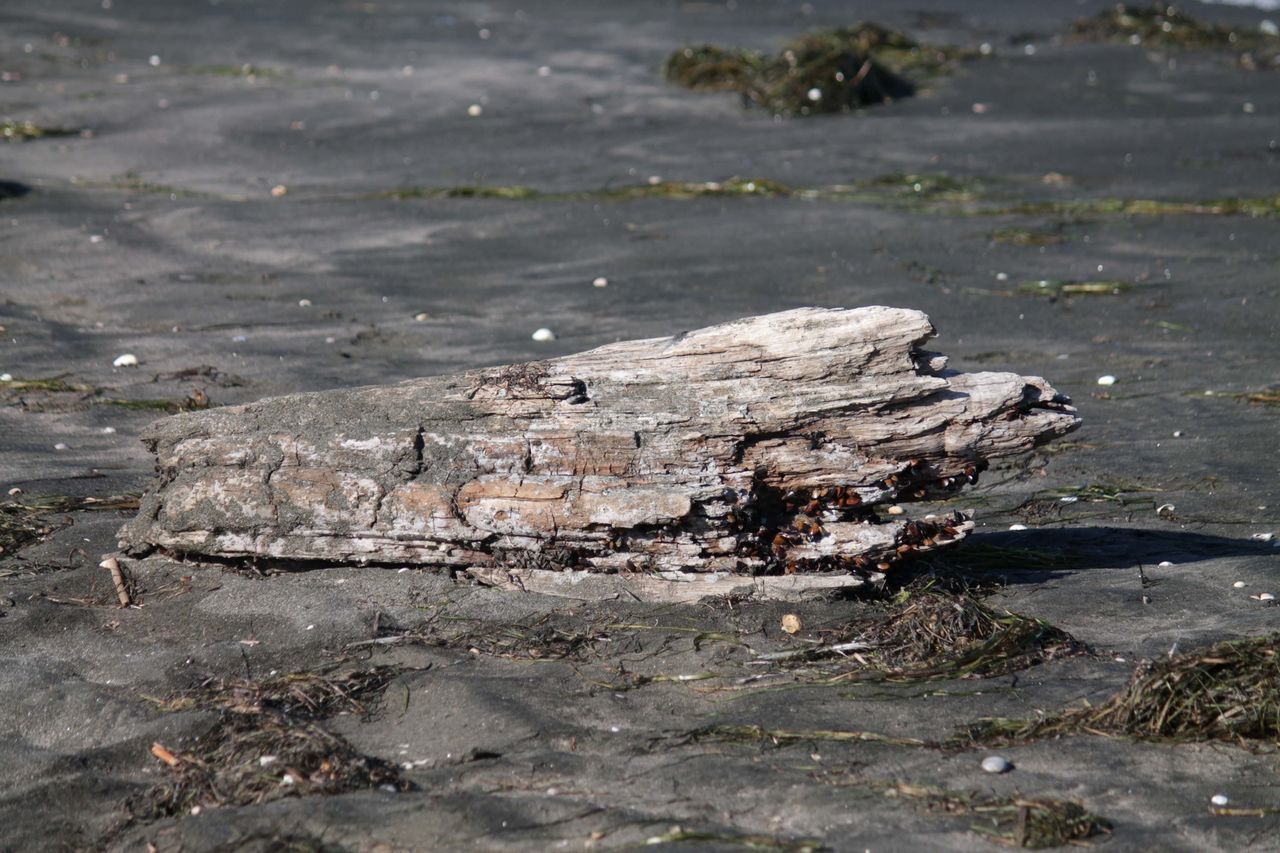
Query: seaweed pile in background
[
  {"x": 827, "y": 71},
  {"x": 1164, "y": 26}
]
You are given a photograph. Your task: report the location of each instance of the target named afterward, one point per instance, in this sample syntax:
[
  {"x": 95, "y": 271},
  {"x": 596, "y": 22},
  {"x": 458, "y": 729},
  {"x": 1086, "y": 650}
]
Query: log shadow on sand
[{"x": 1036, "y": 556}]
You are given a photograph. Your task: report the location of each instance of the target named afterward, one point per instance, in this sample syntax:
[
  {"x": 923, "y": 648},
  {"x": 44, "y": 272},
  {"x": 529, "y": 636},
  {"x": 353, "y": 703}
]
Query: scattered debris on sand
[
  {"x": 267, "y": 743},
  {"x": 827, "y": 71},
  {"x": 1163, "y": 26}
]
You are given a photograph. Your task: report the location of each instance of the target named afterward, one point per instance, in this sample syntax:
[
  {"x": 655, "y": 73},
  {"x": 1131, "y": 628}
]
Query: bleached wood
[{"x": 764, "y": 446}]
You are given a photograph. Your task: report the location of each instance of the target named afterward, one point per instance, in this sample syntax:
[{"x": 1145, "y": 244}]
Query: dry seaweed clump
[
  {"x": 1230, "y": 691},
  {"x": 940, "y": 635},
  {"x": 1024, "y": 822},
  {"x": 828, "y": 71},
  {"x": 268, "y": 743},
  {"x": 1165, "y": 26}
]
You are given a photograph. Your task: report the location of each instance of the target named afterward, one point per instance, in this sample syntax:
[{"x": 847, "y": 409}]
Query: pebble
[
  {"x": 279, "y": 190},
  {"x": 1017, "y": 527},
  {"x": 61, "y": 446},
  {"x": 304, "y": 303},
  {"x": 126, "y": 360},
  {"x": 600, "y": 281},
  {"x": 1269, "y": 27},
  {"x": 543, "y": 335},
  {"x": 1002, "y": 276},
  {"x": 1219, "y": 799},
  {"x": 895, "y": 510},
  {"x": 1177, "y": 433},
  {"x": 95, "y": 238},
  {"x": 996, "y": 764},
  {"x": 6, "y": 377},
  {"x": 154, "y": 61},
  {"x": 422, "y": 316},
  {"x": 265, "y": 760},
  {"x": 791, "y": 623},
  {"x": 1107, "y": 380},
  {"x": 1239, "y": 584},
  {"x": 474, "y": 110},
  {"x": 544, "y": 71},
  {"x": 1264, "y": 596},
  {"x": 1164, "y": 564},
  {"x": 108, "y": 430},
  {"x": 815, "y": 94}
]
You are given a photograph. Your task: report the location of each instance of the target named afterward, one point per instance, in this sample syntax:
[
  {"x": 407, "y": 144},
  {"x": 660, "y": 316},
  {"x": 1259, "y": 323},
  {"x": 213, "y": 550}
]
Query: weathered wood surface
[{"x": 764, "y": 446}]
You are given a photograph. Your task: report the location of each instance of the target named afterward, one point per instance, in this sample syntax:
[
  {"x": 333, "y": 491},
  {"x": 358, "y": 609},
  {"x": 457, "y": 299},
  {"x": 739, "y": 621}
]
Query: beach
[{"x": 254, "y": 199}]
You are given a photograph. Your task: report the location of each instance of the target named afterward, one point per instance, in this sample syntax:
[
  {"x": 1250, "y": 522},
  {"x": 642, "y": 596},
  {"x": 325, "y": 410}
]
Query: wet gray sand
[{"x": 157, "y": 233}]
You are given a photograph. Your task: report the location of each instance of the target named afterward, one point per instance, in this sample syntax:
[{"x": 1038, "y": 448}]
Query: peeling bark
[{"x": 760, "y": 447}]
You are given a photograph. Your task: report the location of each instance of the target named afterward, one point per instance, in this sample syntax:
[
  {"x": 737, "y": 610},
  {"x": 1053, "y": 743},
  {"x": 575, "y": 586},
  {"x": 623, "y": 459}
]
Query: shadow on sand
[{"x": 1035, "y": 556}]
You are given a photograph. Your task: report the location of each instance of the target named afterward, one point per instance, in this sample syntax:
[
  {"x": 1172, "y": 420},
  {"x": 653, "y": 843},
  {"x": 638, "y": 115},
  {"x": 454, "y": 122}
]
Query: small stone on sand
[
  {"x": 543, "y": 335},
  {"x": 895, "y": 510},
  {"x": 279, "y": 190},
  {"x": 126, "y": 360},
  {"x": 1239, "y": 584},
  {"x": 1219, "y": 799},
  {"x": 422, "y": 316},
  {"x": 996, "y": 764},
  {"x": 1107, "y": 380},
  {"x": 304, "y": 303},
  {"x": 600, "y": 281},
  {"x": 474, "y": 110},
  {"x": 1017, "y": 527}
]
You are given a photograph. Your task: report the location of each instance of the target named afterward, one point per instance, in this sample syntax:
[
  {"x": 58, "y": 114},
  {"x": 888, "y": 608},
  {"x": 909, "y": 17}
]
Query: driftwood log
[{"x": 758, "y": 456}]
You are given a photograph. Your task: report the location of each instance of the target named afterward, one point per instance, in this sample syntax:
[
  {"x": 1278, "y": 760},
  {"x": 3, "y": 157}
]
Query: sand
[{"x": 158, "y": 233}]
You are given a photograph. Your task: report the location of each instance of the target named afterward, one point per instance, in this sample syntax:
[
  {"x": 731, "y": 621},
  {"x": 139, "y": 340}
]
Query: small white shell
[
  {"x": 996, "y": 764},
  {"x": 543, "y": 335},
  {"x": 61, "y": 446},
  {"x": 304, "y": 303},
  {"x": 126, "y": 360},
  {"x": 1219, "y": 799},
  {"x": 1107, "y": 380},
  {"x": 474, "y": 110},
  {"x": 1263, "y": 537},
  {"x": 6, "y": 377},
  {"x": 1239, "y": 584},
  {"x": 600, "y": 281},
  {"x": 1165, "y": 509},
  {"x": 1264, "y": 596},
  {"x": 1017, "y": 527},
  {"x": 1164, "y": 564}
]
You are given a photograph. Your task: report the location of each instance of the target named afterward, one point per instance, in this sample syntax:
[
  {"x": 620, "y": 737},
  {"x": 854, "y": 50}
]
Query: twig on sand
[{"x": 117, "y": 576}]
